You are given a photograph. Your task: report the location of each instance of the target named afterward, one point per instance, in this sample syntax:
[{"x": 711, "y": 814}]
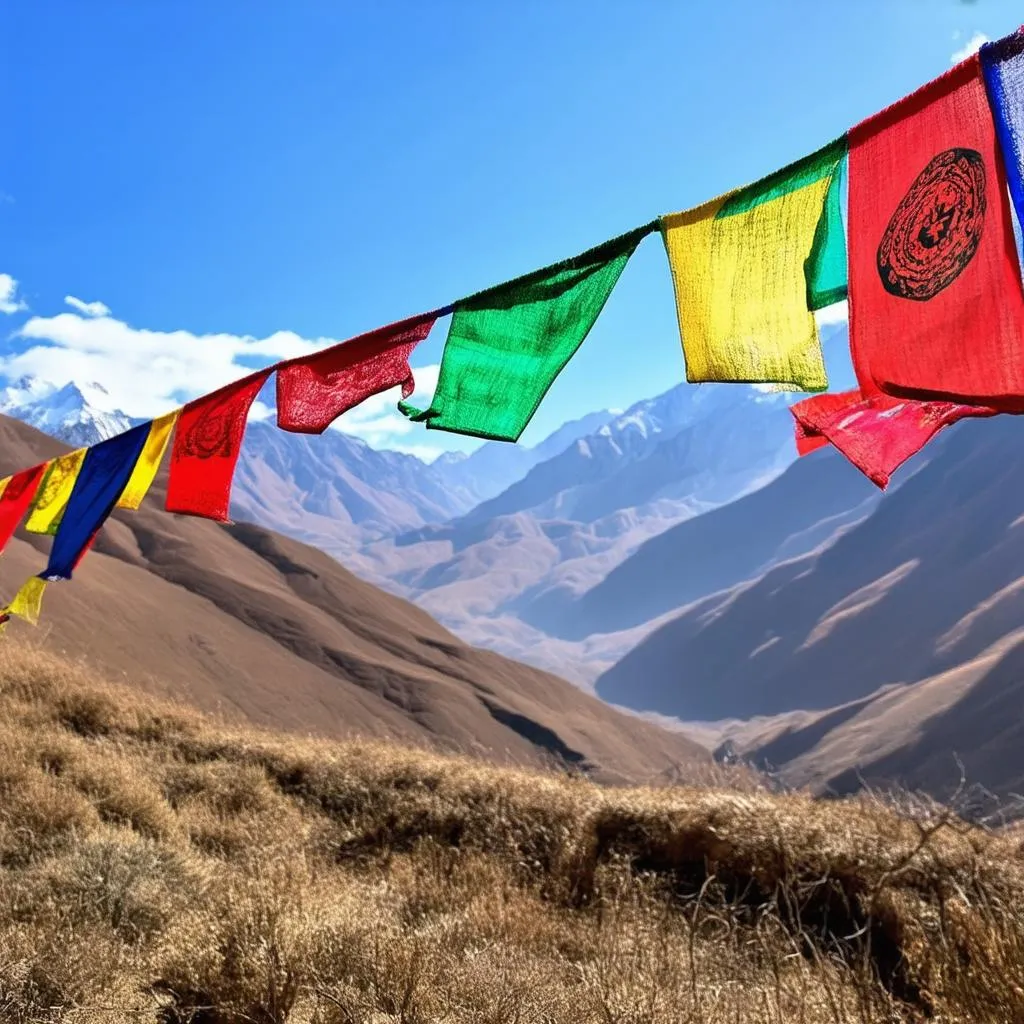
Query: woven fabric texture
[
  {"x": 52, "y": 497},
  {"x": 27, "y": 603},
  {"x": 146, "y": 468},
  {"x": 877, "y": 434},
  {"x": 936, "y": 307},
  {"x": 105, "y": 473},
  {"x": 506, "y": 346},
  {"x": 17, "y": 496},
  {"x": 207, "y": 441},
  {"x": 826, "y": 265},
  {"x": 1003, "y": 66},
  {"x": 314, "y": 391},
  {"x": 747, "y": 266}
]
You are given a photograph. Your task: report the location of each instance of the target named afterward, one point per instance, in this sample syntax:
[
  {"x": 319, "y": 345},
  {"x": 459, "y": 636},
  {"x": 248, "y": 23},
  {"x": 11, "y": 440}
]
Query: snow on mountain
[{"x": 79, "y": 415}]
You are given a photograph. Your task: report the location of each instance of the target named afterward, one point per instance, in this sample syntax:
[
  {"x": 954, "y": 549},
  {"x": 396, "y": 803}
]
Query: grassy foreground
[{"x": 156, "y": 865}]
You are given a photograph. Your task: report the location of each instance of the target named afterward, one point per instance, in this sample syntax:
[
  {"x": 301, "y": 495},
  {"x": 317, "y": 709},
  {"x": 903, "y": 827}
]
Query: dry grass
[{"x": 157, "y": 866}]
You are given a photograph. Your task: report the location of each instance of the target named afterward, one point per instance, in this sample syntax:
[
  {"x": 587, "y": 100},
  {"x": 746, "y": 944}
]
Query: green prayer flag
[
  {"x": 826, "y": 265},
  {"x": 506, "y": 345}
]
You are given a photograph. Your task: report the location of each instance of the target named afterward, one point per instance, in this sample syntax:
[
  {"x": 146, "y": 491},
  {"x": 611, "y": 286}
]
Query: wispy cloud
[
  {"x": 87, "y": 308},
  {"x": 973, "y": 45},
  {"x": 9, "y": 301},
  {"x": 147, "y": 372},
  {"x": 144, "y": 371}
]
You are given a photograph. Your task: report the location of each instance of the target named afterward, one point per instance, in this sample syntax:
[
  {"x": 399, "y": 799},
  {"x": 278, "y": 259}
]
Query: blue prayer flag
[
  {"x": 1003, "y": 65},
  {"x": 105, "y": 473}
]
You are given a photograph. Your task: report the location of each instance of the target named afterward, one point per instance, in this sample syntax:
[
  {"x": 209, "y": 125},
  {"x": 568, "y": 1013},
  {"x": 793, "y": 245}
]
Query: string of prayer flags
[
  {"x": 749, "y": 267},
  {"x": 312, "y": 392},
  {"x": 1003, "y": 65},
  {"x": 16, "y": 498},
  {"x": 936, "y": 306},
  {"x": 105, "y": 473},
  {"x": 54, "y": 491},
  {"x": 878, "y": 433},
  {"x": 146, "y": 468},
  {"x": 206, "y": 446},
  {"x": 506, "y": 345}
]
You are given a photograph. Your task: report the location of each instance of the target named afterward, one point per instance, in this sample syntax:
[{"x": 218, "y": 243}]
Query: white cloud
[
  {"x": 147, "y": 372},
  {"x": 260, "y": 411},
  {"x": 143, "y": 370},
  {"x": 837, "y": 313},
  {"x": 973, "y": 45},
  {"x": 87, "y": 308},
  {"x": 377, "y": 421},
  {"x": 9, "y": 301}
]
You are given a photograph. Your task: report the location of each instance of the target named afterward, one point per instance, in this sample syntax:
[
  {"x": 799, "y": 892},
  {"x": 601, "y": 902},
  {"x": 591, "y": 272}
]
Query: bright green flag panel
[
  {"x": 507, "y": 345},
  {"x": 826, "y": 266}
]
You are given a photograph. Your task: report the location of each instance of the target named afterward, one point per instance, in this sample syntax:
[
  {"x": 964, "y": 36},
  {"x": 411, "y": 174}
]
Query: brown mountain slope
[
  {"x": 902, "y": 636},
  {"x": 243, "y": 620}
]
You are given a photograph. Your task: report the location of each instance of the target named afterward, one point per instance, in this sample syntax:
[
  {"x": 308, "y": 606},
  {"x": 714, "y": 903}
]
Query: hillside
[
  {"x": 716, "y": 550},
  {"x": 899, "y": 637},
  {"x": 239, "y": 619},
  {"x": 157, "y": 865},
  {"x": 494, "y": 573}
]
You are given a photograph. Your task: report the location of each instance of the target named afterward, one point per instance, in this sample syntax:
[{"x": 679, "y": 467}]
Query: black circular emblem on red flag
[{"x": 936, "y": 228}]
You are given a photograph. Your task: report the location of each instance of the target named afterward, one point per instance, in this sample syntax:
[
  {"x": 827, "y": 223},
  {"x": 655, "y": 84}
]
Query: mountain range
[
  {"x": 887, "y": 647},
  {"x": 489, "y": 541},
  {"x": 254, "y": 625},
  {"x": 678, "y": 559}
]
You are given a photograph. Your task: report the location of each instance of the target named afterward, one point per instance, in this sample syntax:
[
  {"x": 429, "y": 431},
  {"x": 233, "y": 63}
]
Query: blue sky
[{"x": 235, "y": 181}]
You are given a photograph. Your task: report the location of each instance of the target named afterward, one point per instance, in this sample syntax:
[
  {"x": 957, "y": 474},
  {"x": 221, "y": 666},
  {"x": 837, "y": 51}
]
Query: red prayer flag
[
  {"x": 809, "y": 439},
  {"x": 312, "y": 392},
  {"x": 877, "y": 434},
  {"x": 936, "y": 305},
  {"x": 16, "y": 498},
  {"x": 207, "y": 441}
]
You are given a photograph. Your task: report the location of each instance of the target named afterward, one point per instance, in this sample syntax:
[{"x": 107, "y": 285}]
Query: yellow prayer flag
[
  {"x": 149, "y": 461},
  {"x": 54, "y": 492},
  {"x": 3, "y": 485},
  {"x": 740, "y": 268},
  {"x": 28, "y": 602}
]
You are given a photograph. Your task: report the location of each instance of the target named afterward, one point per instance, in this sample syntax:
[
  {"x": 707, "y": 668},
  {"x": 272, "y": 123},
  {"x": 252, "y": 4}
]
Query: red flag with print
[
  {"x": 16, "y": 498},
  {"x": 877, "y": 434},
  {"x": 207, "y": 441},
  {"x": 936, "y": 306},
  {"x": 314, "y": 391}
]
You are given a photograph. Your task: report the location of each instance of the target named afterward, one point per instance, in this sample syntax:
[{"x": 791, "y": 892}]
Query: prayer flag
[
  {"x": 936, "y": 306},
  {"x": 16, "y": 498},
  {"x": 749, "y": 267},
  {"x": 312, "y": 392},
  {"x": 879, "y": 433},
  {"x": 1003, "y": 65},
  {"x": 146, "y": 468},
  {"x": 206, "y": 446},
  {"x": 826, "y": 265},
  {"x": 28, "y": 602},
  {"x": 52, "y": 498},
  {"x": 105, "y": 473},
  {"x": 3, "y": 484},
  {"x": 813, "y": 410},
  {"x": 506, "y": 345}
]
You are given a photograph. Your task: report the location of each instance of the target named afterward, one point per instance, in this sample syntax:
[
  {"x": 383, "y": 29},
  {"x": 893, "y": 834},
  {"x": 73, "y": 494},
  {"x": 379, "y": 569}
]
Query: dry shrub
[{"x": 156, "y": 866}]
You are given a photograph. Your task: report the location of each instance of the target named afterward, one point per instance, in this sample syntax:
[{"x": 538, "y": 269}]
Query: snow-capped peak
[{"x": 77, "y": 414}]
